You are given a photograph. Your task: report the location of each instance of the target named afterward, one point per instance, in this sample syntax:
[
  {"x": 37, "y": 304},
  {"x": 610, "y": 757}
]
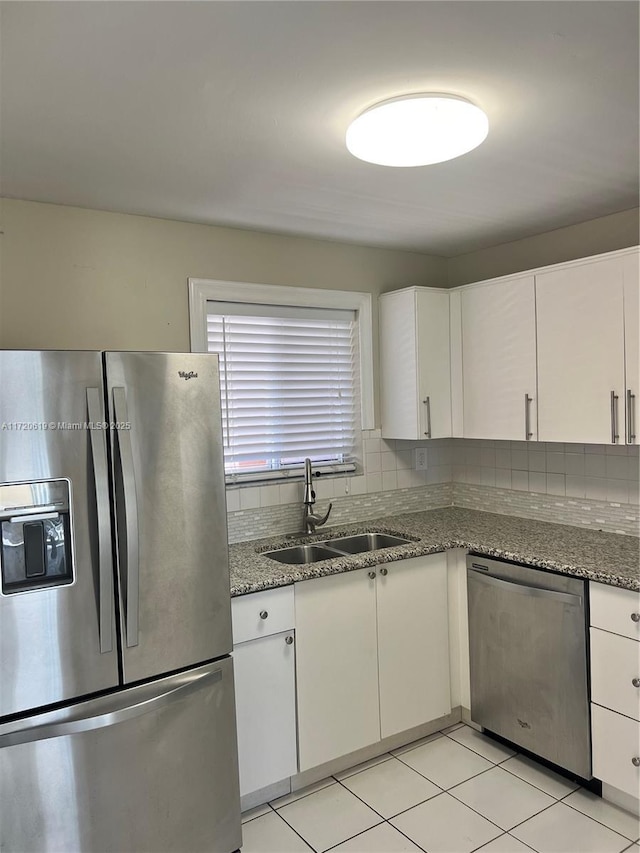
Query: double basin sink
[{"x": 340, "y": 547}]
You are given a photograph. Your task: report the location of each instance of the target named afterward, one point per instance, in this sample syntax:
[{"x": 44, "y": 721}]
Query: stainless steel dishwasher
[{"x": 528, "y": 659}]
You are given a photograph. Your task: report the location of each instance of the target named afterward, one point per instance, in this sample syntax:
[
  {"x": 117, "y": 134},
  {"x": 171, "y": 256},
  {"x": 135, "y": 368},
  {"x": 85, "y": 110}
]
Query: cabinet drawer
[
  {"x": 260, "y": 614},
  {"x": 615, "y": 663},
  {"x": 616, "y": 742},
  {"x": 612, "y": 610}
]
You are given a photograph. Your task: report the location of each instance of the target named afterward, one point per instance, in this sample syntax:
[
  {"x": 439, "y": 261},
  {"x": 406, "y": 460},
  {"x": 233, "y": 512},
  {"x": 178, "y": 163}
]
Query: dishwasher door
[{"x": 528, "y": 660}]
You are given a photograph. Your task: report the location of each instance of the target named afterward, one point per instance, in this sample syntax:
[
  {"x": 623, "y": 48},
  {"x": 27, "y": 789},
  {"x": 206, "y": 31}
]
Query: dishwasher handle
[{"x": 525, "y": 589}]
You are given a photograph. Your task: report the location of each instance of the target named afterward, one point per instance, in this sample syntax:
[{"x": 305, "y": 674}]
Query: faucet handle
[{"x": 325, "y": 516}]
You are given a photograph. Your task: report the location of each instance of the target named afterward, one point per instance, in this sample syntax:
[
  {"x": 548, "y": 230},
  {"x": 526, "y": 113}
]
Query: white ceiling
[{"x": 235, "y": 112}]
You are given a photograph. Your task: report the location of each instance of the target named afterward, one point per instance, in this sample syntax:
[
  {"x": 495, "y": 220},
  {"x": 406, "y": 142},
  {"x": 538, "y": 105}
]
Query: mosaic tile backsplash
[{"x": 582, "y": 485}]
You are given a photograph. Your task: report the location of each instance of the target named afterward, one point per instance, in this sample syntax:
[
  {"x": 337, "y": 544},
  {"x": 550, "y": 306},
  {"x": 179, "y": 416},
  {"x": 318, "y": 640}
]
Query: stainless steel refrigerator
[{"x": 117, "y": 717}]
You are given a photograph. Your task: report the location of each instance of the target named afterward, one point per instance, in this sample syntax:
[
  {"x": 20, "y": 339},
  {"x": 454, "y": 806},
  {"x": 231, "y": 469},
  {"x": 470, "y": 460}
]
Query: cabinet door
[
  {"x": 413, "y": 642},
  {"x": 434, "y": 363},
  {"x": 499, "y": 360},
  {"x": 265, "y": 710},
  {"x": 336, "y": 666},
  {"x": 631, "y": 347},
  {"x": 616, "y": 750},
  {"x": 581, "y": 352},
  {"x": 415, "y": 364}
]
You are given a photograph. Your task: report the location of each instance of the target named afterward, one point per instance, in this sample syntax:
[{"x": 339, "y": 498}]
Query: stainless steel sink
[
  {"x": 341, "y": 547},
  {"x": 298, "y": 554},
  {"x": 366, "y": 542}
]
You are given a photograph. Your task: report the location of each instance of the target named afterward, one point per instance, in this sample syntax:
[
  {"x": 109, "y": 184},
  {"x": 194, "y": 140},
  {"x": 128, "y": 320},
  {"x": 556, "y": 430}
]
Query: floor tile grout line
[
  {"x": 546, "y": 808},
  {"x": 275, "y": 811},
  {"x": 397, "y": 829},
  {"x": 619, "y": 834},
  {"x": 479, "y": 773},
  {"x": 464, "y": 781},
  {"x": 471, "y": 749},
  {"x": 293, "y": 829},
  {"x": 375, "y": 826},
  {"x": 338, "y": 782},
  {"x": 269, "y": 808},
  {"x": 506, "y": 832},
  {"x": 484, "y": 817},
  {"x": 415, "y": 805},
  {"x": 595, "y": 819},
  {"x": 302, "y": 796},
  {"x": 537, "y": 787}
]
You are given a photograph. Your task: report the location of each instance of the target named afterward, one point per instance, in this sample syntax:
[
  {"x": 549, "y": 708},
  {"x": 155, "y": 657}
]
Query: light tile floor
[{"x": 454, "y": 792}]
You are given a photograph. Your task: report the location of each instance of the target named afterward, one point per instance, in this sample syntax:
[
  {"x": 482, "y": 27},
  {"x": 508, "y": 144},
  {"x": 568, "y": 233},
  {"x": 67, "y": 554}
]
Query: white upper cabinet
[
  {"x": 415, "y": 364},
  {"x": 581, "y": 375},
  {"x": 632, "y": 350},
  {"x": 551, "y": 355},
  {"x": 499, "y": 359}
]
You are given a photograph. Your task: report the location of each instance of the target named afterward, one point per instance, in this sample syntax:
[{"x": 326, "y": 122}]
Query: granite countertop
[{"x": 610, "y": 558}]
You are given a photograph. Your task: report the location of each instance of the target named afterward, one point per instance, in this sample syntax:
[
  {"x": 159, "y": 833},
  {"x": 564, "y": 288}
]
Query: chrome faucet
[{"x": 311, "y": 521}]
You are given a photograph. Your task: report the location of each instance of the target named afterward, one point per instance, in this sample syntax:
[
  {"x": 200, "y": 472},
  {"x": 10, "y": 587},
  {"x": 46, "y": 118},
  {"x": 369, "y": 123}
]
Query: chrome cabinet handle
[
  {"x": 635, "y": 682},
  {"x": 527, "y": 417},
  {"x": 132, "y": 568},
  {"x": 98, "y": 445},
  {"x": 614, "y": 418},
  {"x": 384, "y": 572},
  {"x": 264, "y": 614},
  {"x": 635, "y": 617},
  {"x": 636, "y": 761},
  {"x": 372, "y": 575},
  {"x": 288, "y": 640},
  {"x": 631, "y": 435},
  {"x": 427, "y": 403}
]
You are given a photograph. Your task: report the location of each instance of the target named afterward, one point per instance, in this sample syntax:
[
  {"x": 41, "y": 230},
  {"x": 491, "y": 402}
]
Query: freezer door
[
  {"x": 57, "y": 632},
  {"x": 170, "y": 510},
  {"x": 150, "y": 769}
]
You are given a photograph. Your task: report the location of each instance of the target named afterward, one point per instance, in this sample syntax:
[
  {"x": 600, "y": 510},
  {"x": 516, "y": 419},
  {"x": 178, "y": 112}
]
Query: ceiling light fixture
[{"x": 417, "y": 130}]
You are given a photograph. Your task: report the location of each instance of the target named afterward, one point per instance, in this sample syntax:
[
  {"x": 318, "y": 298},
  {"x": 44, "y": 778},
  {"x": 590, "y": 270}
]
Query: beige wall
[
  {"x": 73, "y": 278},
  {"x": 84, "y": 279},
  {"x": 606, "y": 234}
]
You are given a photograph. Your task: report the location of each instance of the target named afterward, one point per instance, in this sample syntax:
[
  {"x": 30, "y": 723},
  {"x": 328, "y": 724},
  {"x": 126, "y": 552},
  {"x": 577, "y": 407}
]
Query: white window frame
[{"x": 203, "y": 290}]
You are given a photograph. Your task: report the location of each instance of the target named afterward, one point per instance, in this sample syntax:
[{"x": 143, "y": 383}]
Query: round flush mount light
[{"x": 417, "y": 130}]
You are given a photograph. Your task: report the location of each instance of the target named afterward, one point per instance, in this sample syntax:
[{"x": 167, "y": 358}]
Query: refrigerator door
[
  {"x": 170, "y": 510},
  {"x": 150, "y": 769},
  {"x": 57, "y": 632}
]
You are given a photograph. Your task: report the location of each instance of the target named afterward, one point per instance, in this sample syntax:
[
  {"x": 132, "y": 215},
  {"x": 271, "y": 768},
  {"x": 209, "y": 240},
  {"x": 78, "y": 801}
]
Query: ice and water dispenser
[{"x": 35, "y": 519}]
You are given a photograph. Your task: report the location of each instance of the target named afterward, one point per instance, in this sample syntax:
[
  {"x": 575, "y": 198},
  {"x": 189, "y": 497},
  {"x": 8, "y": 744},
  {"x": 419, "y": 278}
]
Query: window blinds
[{"x": 290, "y": 389}]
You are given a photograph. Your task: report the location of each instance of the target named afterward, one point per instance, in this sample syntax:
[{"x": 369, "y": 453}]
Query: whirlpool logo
[{"x": 190, "y": 375}]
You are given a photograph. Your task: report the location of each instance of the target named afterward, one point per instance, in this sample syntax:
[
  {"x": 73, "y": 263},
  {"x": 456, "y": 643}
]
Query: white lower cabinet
[
  {"x": 413, "y": 643},
  {"x": 616, "y": 750},
  {"x": 337, "y": 666},
  {"x": 372, "y": 655},
  {"x": 264, "y": 669},
  {"x": 615, "y": 687}
]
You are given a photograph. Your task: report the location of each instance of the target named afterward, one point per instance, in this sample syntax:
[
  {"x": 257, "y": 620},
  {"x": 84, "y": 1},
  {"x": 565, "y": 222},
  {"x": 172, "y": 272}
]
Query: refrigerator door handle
[
  {"x": 97, "y": 443},
  {"x": 132, "y": 567},
  {"x": 104, "y": 712}
]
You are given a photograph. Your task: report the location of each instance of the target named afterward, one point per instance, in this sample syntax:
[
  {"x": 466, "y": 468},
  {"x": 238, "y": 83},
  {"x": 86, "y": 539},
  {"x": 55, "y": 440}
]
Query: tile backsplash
[
  {"x": 569, "y": 483},
  {"x": 599, "y": 472}
]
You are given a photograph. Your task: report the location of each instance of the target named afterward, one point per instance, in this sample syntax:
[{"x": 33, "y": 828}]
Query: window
[{"x": 290, "y": 375}]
